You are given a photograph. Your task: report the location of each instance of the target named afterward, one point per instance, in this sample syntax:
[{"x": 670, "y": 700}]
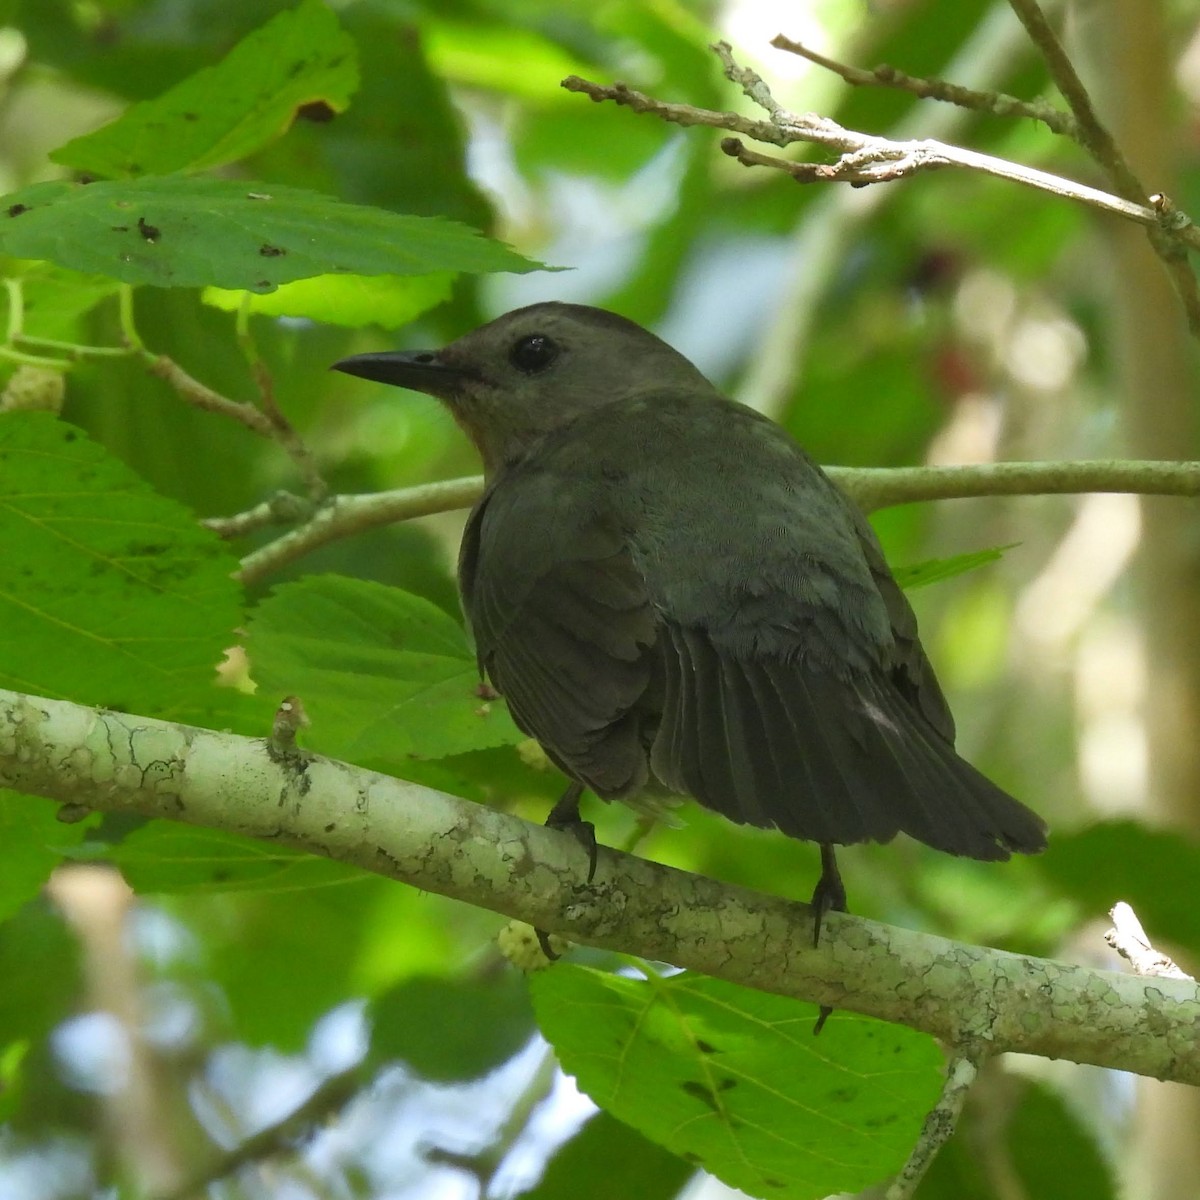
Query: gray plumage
[{"x": 665, "y": 588}]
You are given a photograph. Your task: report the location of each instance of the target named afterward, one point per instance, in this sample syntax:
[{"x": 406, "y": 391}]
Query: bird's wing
[
  {"x": 912, "y": 671},
  {"x": 563, "y": 626},
  {"x": 795, "y": 692}
]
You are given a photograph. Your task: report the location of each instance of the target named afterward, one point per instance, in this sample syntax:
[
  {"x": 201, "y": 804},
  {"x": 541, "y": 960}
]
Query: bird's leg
[
  {"x": 828, "y": 896},
  {"x": 565, "y": 815},
  {"x": 830, "y": 893}
]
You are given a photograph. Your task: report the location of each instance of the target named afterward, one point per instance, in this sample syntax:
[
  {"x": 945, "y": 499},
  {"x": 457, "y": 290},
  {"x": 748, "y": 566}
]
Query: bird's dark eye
[{"x": 533, "y": 353}]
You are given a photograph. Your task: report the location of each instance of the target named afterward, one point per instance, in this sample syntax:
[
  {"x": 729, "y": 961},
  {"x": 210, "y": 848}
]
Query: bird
[{"x": 672, "y": 596}]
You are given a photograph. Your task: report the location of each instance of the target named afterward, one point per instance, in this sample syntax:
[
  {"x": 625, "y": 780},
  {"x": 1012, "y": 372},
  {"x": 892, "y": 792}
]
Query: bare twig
[
  {"x": 870, "y": 487},
  {"x": 873, "y": 488},
  {"x": 267, "y": 421},
  {"x": 284, "y": 432},
  {"x": 283, "y": 508},
  {"x": 961, "y": 1072},
  {"x": 342, "y": 516},
  {"x": 870, "y": 159},
  {"x": 1092, "y": 134},
  {"x": 1129, "y": 940},
  {"x": 996, "y": 103},
  {"x": 676, "y": 114},
  {"x": 203, "y": 397},
  {"x": 1097, "y": 140},
  {"x": 329, "y": 1096}
]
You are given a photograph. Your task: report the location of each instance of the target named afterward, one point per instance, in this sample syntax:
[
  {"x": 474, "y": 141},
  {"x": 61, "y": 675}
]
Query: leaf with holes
[
  {"x": 179, "y": 231},
  {"x": 734, "y": 1081},
  {"x": 300, "y": 63}
]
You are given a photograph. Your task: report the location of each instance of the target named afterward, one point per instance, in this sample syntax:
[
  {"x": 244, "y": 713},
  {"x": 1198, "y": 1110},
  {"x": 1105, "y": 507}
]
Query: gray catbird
[{"x": 667, "y": 590}]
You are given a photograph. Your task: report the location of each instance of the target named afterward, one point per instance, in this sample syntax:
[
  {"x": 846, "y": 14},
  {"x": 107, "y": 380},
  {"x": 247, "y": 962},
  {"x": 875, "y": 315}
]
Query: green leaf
[
  {"x": 384, "y": 675},
  {"x": 1154, "y": 870},
  {"x": 32, "y": 843},
  {"x": 42, "y": 973},
  {"x": 53, "y": 300},
  {"x": 1053, "y": 1153},
  {"x": 733, "y": 1079},
  {"x": 1048, "y": 1150},
  {"x": 607, "y": 1158},
  {"x": 299, "y": 62},
  {"x": 176, "y": 231},
  {"x": 162, "y": 857},
  {"x": 355, "y": 300},
  {"x": 934, "y": 570},
  {"x": 110, "y": 594},
  {"x": 452, "y": 1029},
  {"x": 502, "y": 56}
]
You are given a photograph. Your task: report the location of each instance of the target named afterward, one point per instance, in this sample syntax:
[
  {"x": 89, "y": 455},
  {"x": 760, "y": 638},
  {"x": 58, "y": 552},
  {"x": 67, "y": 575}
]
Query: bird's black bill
[{"x": 418, "y": 370}]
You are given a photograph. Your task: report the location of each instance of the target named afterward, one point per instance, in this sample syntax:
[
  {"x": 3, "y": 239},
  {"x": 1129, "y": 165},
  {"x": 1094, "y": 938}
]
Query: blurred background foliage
[{"x": 947, "y": 319}]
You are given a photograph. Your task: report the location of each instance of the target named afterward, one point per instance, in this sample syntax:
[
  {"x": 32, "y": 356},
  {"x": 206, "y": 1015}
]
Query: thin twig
[
  {"x": 874, "y": 488},
  {"x": 1092, "y": 134},
  {"x": 875, "y": 159},
  {"x": 961, "y": 1072},
  {"x": 203, "y": 397},
  {"x": 343, "y": 516},
  {"x": 871, "y": 488},
  {"x": 1096, "y": 139},
  {"x": 330, "y": 1095},
  {"x": 676, "y": 114},
  {"x": 998, "y": 104},
  {"x": 284, "y": 432},
  {"x": 283, "y": 508}
]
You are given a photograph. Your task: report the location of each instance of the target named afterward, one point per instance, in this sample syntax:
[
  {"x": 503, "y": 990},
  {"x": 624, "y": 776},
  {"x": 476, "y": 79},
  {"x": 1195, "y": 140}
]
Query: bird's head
[{"x": 509, "y": 382}]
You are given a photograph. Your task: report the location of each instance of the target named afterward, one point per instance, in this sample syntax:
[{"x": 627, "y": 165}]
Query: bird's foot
[
  {"x": 828, "y": 896},
  {"x": 565, "y": 815},
  {"x": 830, "y": 893}
]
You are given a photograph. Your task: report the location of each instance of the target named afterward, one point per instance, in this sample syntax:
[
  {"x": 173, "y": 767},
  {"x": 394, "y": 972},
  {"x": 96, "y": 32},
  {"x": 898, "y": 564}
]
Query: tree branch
[
  {"x": 870, "y": 487},
  {"x": 865, "y": 158},
  {"x": 996, "y": 103},
  {"x": 967, "y": 995},
  {"x": 343, "y": 516},
  {"x": 1095, "y": 137}
]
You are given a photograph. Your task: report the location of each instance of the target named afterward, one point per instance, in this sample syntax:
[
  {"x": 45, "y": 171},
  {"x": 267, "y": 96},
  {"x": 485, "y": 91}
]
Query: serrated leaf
[
  {"x": 733, "y": 1079},
  {"x": 301, "y": 59},
  {"x": 177, "y": 231},
  {"x": 110, "y": 594},
  {"x": 933, "y": 570},
  {"x": 354, "y": 300},
  {"x": 384, "y": 675}
]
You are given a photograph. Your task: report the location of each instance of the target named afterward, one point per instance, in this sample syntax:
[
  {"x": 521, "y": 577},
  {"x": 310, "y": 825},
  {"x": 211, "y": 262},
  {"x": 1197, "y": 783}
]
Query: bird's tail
[{"x": 768, "y": 742}]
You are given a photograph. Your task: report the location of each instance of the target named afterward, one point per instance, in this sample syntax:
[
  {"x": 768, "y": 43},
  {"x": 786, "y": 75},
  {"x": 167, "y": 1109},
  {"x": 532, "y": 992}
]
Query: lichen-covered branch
[{"x": 967, "y": 995}]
